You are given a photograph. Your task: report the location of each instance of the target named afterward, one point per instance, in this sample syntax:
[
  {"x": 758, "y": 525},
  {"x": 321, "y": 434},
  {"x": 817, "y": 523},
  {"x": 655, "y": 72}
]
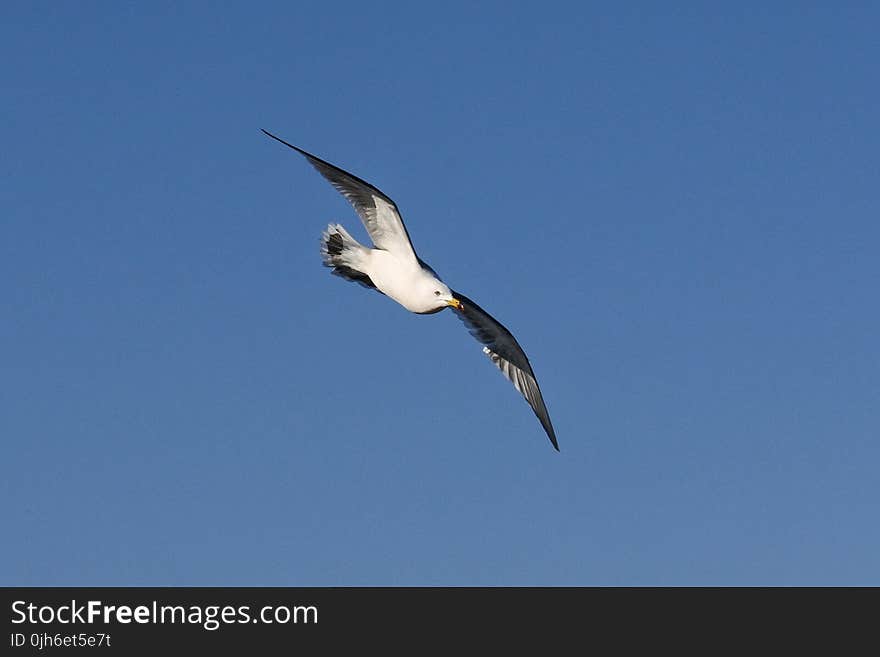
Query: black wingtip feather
[{"x": 289, "y": 145}]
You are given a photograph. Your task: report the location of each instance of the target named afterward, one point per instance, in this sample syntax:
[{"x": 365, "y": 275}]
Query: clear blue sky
[{"x": 674, "y": 210}]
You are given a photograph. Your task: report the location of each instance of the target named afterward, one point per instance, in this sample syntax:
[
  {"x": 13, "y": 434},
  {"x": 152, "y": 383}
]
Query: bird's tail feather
[{"x": 344, "y": 254}]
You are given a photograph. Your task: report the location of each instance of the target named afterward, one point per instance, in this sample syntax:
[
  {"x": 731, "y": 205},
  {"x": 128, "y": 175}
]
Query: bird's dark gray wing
[
  {"x": 378, "y": 212},
  {"x": 503, "y": 350}
]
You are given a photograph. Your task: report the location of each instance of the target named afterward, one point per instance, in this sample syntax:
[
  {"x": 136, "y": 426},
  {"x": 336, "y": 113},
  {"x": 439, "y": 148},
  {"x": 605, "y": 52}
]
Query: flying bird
[{"x": 393, "y": 268}]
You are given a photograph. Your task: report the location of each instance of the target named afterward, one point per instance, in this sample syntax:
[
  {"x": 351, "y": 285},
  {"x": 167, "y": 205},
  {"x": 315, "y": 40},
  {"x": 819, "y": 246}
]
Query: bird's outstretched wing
[
  {"x": 503, "y": 350},
  {"x": 378, "y": 212}
]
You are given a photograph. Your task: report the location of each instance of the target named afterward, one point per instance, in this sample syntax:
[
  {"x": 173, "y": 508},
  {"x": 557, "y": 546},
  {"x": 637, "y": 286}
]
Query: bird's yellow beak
[{"x": 455, "y": 303}]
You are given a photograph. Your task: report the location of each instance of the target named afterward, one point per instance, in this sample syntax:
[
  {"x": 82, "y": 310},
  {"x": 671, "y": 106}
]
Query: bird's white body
[
  {"x": 395, "y": 272},
  {"x": 405, "y": 281}
]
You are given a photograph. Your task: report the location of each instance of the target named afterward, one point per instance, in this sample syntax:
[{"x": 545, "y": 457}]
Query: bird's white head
[{"x": 439, "y": 294}]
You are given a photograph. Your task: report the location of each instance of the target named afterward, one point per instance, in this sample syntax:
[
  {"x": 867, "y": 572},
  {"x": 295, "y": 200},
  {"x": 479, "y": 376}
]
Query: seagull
[{"x": 393, "y": 268}]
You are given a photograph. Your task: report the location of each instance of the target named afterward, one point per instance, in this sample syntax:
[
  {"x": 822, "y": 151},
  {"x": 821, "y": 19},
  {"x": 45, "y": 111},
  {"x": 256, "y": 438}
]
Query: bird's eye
[{"x": 436, "y": 293}]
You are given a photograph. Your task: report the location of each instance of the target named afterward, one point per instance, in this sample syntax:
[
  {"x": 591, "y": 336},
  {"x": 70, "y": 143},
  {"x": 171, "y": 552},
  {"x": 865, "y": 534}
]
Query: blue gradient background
[{"x": 674, "y": 210}]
